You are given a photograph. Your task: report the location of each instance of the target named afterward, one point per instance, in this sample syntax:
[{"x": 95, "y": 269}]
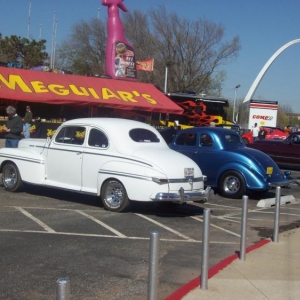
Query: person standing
[
  {"x": 255, "y": 131},
  {"x": 13, "y": 128},
  {"x": 262, "y": 133},
  {"x": 287, "y": 129},
  {"x": 27, "y": 122}
]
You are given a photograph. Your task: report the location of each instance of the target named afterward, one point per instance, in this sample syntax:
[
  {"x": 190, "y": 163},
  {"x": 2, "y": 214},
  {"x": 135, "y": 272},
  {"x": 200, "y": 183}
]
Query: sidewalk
[{"x": 270, "y": 271}]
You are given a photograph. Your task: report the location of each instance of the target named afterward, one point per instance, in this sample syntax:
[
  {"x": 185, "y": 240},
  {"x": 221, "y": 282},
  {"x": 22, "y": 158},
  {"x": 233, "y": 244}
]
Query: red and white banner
[{"x": 145, "y": 65}]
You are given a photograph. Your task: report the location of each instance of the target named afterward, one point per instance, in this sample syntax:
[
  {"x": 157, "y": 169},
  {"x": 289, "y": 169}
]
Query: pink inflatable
[{"x": 120, "y": 55}]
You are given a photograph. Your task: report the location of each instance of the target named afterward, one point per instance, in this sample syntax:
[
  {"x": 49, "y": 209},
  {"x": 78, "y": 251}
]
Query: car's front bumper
[{"x": 181, "y": 196}]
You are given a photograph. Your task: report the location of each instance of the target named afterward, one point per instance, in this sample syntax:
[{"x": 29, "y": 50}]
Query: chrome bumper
[{"x": 181, "y": 197}]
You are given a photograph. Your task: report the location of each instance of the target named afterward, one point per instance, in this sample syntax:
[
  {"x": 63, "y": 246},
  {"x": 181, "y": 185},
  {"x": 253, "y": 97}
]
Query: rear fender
[
  {"x": 127, "y": 173},
  {"x": 253, "y": 179}
]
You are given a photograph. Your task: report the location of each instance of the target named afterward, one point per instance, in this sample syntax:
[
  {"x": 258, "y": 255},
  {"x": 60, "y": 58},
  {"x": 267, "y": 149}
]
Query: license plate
[
  {"x": 269, "y": 170},
  {"x": 188, "y": 172}
]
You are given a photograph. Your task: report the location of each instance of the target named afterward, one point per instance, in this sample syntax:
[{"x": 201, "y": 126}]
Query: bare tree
[
  {"x": 84, "y": 52},
  {"x": 192, "y": 49},
  {"x": 138, "y": 32}
]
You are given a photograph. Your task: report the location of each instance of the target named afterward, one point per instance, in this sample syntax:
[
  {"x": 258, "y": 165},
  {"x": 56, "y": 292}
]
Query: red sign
[
  {"x": 145, "y": 65},
  {"x": 52, "y": 88}
]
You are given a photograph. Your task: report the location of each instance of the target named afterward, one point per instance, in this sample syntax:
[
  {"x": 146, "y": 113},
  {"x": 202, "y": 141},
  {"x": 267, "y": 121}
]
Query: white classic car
[{"x": 117, "y": 159}]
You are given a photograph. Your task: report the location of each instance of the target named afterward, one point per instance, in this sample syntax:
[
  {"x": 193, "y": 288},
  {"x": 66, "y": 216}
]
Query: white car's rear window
[{"x": 142, "y": 135}]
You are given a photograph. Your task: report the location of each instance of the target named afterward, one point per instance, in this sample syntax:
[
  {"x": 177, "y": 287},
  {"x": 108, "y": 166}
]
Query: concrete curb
[{"x": 195, "y": 283}]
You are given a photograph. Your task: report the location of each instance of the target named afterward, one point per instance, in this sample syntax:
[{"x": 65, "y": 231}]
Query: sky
[{"x": 263, "y": 26}]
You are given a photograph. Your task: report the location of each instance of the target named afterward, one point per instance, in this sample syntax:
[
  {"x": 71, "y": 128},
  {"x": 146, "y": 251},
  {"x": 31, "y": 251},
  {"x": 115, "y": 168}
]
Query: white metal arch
[{"x": 265, "y": 68}]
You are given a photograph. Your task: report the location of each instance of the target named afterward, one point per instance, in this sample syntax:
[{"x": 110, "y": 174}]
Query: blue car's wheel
[{"x": 232, "y": 185}]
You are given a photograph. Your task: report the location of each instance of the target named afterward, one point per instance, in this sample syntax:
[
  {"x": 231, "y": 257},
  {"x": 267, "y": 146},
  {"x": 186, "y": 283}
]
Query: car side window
[
  {"x": 180, "y": 139},
  {"x": 205, "y": 140},
  {"x": 71, "y": 135},
  {"x": 296, "y": 139},
  {"x": 97, "y": 139},
  {"x": 187, "y": 139}
]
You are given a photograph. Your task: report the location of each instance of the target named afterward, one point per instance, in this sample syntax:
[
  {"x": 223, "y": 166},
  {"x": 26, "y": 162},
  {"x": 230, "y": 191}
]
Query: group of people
[
  {"x": 16, "y": 127},
  {"x": 258, "y": 133}
]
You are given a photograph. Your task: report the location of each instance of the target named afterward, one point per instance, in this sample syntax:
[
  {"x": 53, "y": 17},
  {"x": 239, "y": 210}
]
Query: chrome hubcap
[
  {"x": 10, "y": 177},
  {"x": 114, "y": 195},
  {"x": 231, "y": 184}
]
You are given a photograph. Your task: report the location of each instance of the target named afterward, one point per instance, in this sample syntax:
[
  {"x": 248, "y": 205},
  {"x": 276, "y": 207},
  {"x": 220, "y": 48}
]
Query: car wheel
[
  {"x": 11, "y": 177},
  {"x": 114, "y": 196},
  {"x": 232, "y": 185}
]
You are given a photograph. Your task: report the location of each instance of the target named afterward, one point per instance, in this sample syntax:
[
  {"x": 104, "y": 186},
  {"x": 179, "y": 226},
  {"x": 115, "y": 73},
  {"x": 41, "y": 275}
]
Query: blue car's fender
[{"x": 253, "y": 178}]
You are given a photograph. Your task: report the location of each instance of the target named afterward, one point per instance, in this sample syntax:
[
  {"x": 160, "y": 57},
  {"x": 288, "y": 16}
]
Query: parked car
[
  {"x": 273, "y": 133},
  {"x": 229, "y": 165},
  {"x": 286, "y": 152},
  {"x": 117, "y": 159}
]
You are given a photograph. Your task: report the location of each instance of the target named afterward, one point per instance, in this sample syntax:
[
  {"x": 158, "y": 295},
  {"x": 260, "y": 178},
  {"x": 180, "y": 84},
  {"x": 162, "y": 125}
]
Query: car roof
[
  {"x": 108, "y": 123},
  {"x": 117, "y": 129}
]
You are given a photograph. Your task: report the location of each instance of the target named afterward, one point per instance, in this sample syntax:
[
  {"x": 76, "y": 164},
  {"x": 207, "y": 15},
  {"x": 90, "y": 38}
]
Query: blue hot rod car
[{"x": 229, "y": 165}]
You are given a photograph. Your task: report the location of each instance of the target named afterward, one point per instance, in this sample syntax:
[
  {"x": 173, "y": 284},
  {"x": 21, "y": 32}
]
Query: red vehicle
[
  {"x": 283, "y": 152},
  {"x": 273, "y": 133}
]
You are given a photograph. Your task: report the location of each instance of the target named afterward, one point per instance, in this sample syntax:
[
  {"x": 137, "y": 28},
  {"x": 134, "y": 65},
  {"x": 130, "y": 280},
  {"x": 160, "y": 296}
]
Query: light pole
[{"x": 233, "y": 113}]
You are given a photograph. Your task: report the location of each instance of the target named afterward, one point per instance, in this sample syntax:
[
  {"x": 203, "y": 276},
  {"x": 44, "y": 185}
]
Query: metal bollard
[
  {"x": 277, "y": 213},
  {"x": 153, "y": 265},
  {"x": 205, "y": 249},
  {"x": 244, "y": 229},
  {"x": 63, "y": 289}
]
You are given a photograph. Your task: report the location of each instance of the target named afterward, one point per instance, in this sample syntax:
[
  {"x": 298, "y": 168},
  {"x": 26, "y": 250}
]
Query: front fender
[{"x": 30, "y": 163}]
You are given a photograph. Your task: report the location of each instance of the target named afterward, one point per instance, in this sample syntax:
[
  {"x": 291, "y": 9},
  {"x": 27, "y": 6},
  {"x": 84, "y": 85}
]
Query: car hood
[
  {"x": 168, "y": 161},
  {"x": 29, "y": 143}
]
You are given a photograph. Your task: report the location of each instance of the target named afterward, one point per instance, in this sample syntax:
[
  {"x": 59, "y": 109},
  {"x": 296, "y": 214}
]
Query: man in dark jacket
[
  {"x": 262, "y": 133},
  {"x": 13, "y": 128}
]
